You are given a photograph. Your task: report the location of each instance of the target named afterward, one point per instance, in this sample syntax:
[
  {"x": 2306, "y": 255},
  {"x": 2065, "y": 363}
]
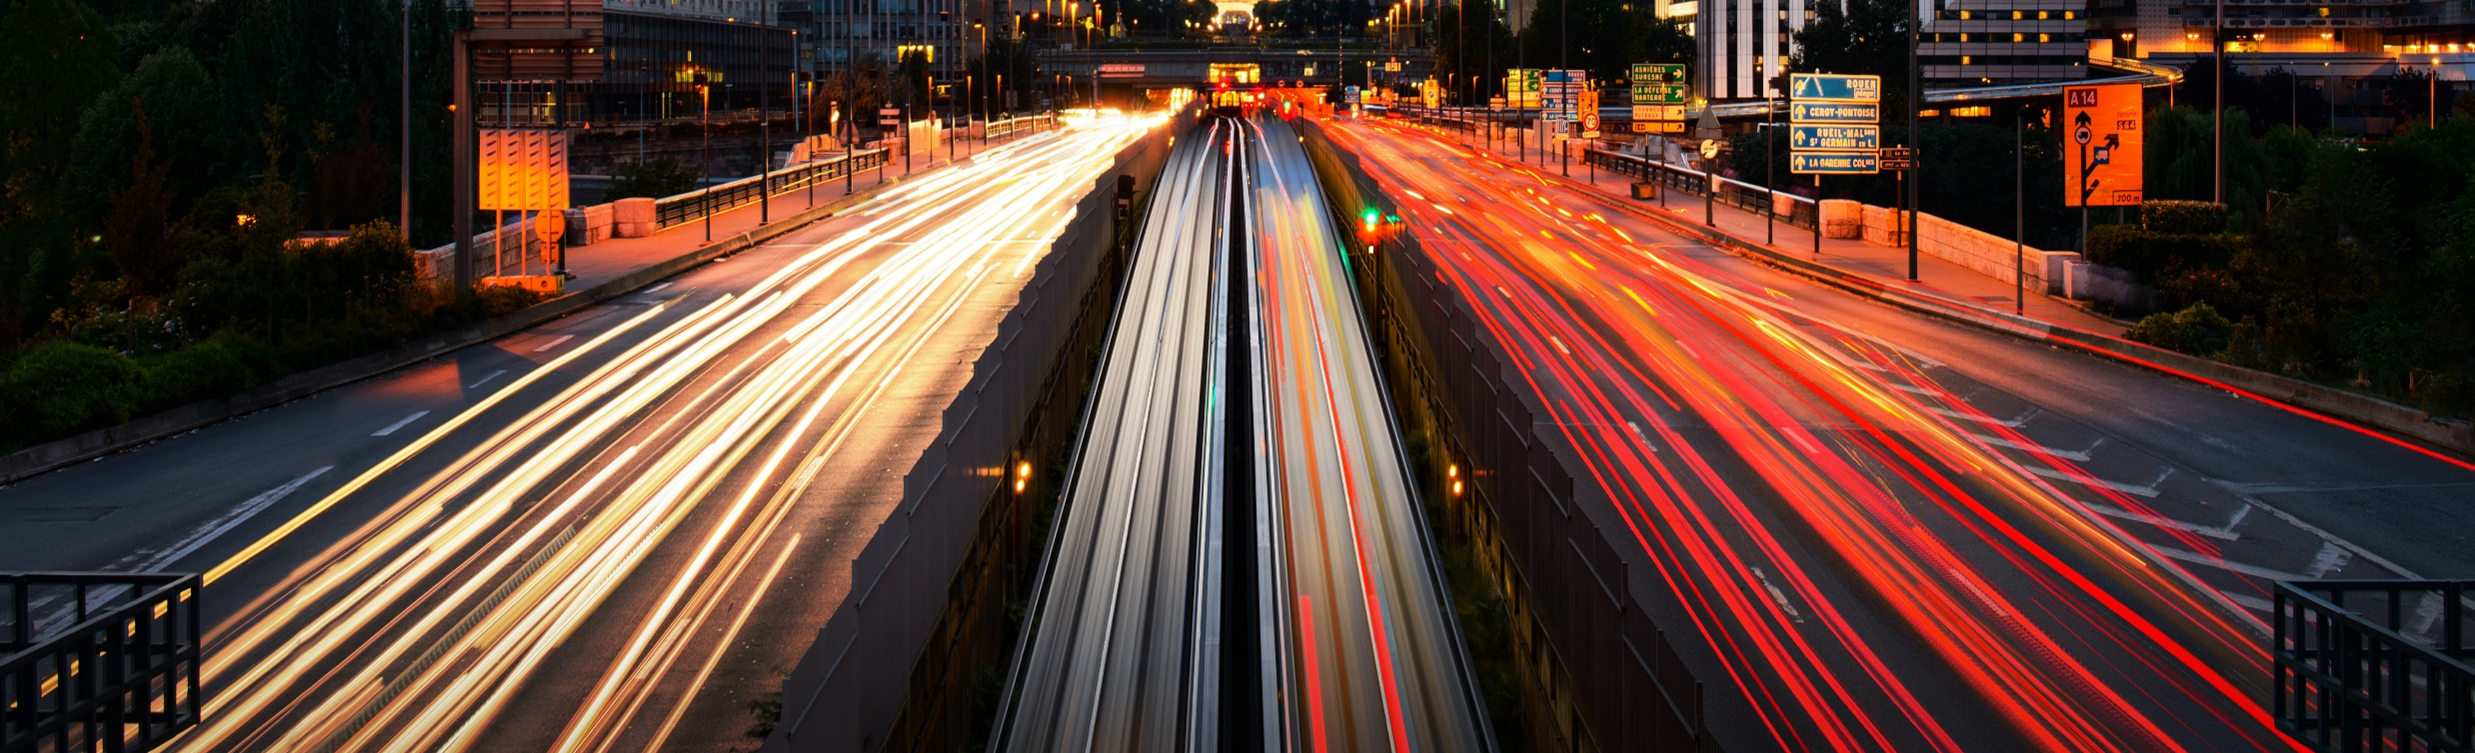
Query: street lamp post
[
  {"x": 704, "y": 150},
  {"x": 2019, "y": 213}
]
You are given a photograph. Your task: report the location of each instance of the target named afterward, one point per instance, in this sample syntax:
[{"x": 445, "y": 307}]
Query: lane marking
[
  {"x": 554, "y": 342},
  {"x": 2077, "y": 455},
  {"x": 407, "y": 421},
  {"x": 2224, "y": 532},
  {"x": 2137, "y": 491},
  {"x": 2013, "y": 423},
  {"x": 657, "y": 288},
  {"x": 1778, "y": 596},
  {"x": 213, "y": 529},
  {"x": 2255, "y": 571},
  {"x": 485, "y": 379}
]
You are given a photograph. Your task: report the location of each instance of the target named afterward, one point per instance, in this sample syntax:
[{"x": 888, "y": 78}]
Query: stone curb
[
  {"x": 36, "y": 460},
  {"x": 2319, "y": 401}
]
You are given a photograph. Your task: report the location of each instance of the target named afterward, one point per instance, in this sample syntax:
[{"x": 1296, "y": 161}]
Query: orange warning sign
[{"x": 2101, "y": 145}]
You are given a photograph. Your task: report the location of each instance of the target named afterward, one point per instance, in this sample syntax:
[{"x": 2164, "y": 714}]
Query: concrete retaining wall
[
  {"x": 863, "y": 682},
  {"x": 1979, "y": 251},
  {"x": 1843, "y": 219},
  {"x": 1601, "y": 673}
]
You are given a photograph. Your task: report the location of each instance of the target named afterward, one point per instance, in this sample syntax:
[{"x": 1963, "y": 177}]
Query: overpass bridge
[{"x": 1158, "y": 68}]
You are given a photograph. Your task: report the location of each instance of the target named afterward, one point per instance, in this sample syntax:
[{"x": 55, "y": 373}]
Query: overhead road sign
[
  {"x": 2102, "y": 146},
  {"x": 1833, "y": 112},
  {"x": 1833, "y": 163},
  {"x": 1899, "y": 158},
  {"x": 1817, "y": 138},
  {"x": 1829, "y": 87}
]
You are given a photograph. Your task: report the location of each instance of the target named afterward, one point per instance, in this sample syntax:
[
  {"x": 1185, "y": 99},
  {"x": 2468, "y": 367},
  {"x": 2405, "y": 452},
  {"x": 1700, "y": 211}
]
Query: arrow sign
[
  {"x": 1834, "y": 137},
  {"x": 1813, "y": 87},
  {"x": 1833, "y": 163},
  {"x": 1833, "y": 112}
]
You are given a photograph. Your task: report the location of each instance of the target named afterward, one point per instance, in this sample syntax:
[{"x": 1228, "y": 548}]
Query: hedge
[
  {"x": 2151, "y": 255},
  {"x": 2183, "y": 217}
]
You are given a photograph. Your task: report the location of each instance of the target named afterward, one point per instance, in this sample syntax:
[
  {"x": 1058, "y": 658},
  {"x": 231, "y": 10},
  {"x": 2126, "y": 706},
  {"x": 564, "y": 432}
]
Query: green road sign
[
  {"x": 1830, "y": 87},
  {"x": 1833, "y": 112},
  {"x": 1834, "y": 137},
  {"x": 1657, "y": 73},
  {"x": 1833, "y": 163},
  {"x": 1659, "y": 94}
]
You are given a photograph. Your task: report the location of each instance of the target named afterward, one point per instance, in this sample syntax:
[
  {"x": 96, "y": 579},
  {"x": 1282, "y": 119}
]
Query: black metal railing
[
  {"x": 104, "y": 662},
  {"x": 2375, "y": 665},
  {"x": 1746, "y": 196},
  {"x": 697, "y": 204}
]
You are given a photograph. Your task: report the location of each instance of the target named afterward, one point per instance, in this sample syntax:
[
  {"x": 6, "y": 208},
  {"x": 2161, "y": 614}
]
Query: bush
[
  {"x": 60, "y": 388},
  {"x": 209, "y": 369},
  {"x": 654, "y": 178},
  {"x": 2153, "y": 255},
  {"x": 2183, "y": 217},
  {"x": 2197, "y": 330}
]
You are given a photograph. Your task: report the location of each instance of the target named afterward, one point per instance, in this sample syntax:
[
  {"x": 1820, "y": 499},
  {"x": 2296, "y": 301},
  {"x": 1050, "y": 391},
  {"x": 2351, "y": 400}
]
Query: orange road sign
[{"x": 2101, "y": 145}]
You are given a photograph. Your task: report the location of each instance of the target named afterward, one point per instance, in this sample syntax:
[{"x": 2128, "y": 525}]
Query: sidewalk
[
  {"x": 1873, "y": 265},
  {"x": 616, "y": 257}
]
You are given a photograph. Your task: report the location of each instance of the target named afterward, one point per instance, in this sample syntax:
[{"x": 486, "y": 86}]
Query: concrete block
[
  {"x": 1842, "y": 218},
  {"x": 633, "y": 217}
]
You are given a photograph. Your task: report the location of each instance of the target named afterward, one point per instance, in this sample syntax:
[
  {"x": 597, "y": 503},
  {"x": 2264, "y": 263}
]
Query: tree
[
  {"x": 58, "y": 55},
  {"x": 656, "y": 178},
  {"x": 187, "y": 127},
  {"x": 137, "y": 231},
  {"x": 1462, "y": 35},
  {"x": 1607, "y": 37},
  {"x": 1859, "y": 37}
]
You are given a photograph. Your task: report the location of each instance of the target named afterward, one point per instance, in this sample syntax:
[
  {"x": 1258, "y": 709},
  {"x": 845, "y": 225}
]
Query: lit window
[
  {"x": 2018, "y": 37},
  {"x": 1963, "y": 36},
  {"x": 2045, "y": 37},
  {"x": 2067, "y": 15},
  {"x": 2016, "y": 15},
  {"x": 1963, "y": 15},
  {"x": 1963, "y": 60},
  {"x": 2043, "y": 15}
]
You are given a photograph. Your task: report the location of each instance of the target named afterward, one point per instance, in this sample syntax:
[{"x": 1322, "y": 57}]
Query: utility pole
[
  {"x": 764, "y": 125},
  {"x": 404, "y": 150},
  {"x": 461, "y": 195},
  {"x": 2217, "y": 122},
  {"x": 850, "y": 98},
  {"x": 1916, "y": 164},
  {"x": 2019, "y": 213}
]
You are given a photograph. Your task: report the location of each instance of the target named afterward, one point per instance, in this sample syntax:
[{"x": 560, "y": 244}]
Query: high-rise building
[
  {"x": 2340, "y": 52},
  {"x": 637, "y": 60},
  {"x": 1743, "y": 43}
]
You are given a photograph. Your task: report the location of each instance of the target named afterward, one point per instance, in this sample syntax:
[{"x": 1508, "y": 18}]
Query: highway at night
[
  {"x": 1356, "y": 649},
  {"x": 1878, "y": 546},
  {"x": 563, "y": 541}
]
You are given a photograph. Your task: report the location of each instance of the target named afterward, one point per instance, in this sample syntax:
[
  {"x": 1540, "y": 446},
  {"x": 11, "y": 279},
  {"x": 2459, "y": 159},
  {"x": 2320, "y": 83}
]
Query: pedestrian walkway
[
  {"x": 1882, "y": 266},
  {"x": 615, "y": 257}
]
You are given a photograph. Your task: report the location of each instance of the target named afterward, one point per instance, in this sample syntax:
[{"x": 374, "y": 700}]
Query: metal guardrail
[
  {"x": 697, "y": 204},
  {"x": 2375, "y": 665},
  {"x": 1802, "y": 211},
  {"x": 694, "y": 205},
  {"x": 99, "y": 661}
]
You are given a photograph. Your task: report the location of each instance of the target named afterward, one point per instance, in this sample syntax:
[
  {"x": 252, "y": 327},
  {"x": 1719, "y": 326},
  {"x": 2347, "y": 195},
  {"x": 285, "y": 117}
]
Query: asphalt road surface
[
  {"x": 611, "y": 532},
  {"x": 1890, "y": 532}
]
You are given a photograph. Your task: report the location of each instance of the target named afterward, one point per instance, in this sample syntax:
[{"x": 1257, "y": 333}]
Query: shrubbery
[
  {"x": 2198, "y": 330},
  {"x": 249, "y": 308},
  {"x": 2153, "y": 255},
  {"x": 2183, "y": 217}
]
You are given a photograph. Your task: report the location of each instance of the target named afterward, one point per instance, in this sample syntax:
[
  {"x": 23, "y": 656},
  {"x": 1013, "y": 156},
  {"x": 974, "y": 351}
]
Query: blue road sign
[
  {"x": 1805, "y": 138},
  {"x": 1833, "y": 112},
  {"x": 1834, "y": 163},
  {"x": 1813, "y": 87}
]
